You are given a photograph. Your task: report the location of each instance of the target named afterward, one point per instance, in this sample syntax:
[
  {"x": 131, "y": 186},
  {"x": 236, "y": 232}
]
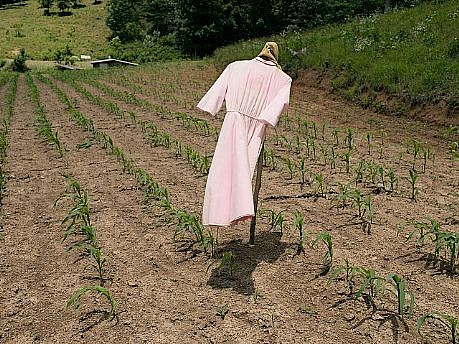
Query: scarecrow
[{"x": 256, "y": 93}]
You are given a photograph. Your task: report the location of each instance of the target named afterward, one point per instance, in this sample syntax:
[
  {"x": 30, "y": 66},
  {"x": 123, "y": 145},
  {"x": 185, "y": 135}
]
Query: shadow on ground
[{"x": 268, "y": 248}]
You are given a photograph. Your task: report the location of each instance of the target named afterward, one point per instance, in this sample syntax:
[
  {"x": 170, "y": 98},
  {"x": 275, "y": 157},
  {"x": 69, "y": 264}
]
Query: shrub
[{"x": 19, "y": 62}]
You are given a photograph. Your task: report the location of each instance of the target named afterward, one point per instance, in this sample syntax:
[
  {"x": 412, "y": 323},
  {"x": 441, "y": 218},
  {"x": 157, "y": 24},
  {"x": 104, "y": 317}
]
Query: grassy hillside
[
  {"x": 412, "y": 54},
  {"x": 26, "y": 27}
]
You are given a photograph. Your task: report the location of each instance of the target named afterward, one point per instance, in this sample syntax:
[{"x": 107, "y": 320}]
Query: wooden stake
[{"x": 255, "y": 196}]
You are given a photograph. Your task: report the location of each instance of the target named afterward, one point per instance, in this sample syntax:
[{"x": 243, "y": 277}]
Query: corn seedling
[
  {"x": 276, "y": 220},
  {"x": 423, "y": 229},
  {"x": 400, "y": 290},
  {"x": 75, "y": 299},
  {"x": 227, "y": 261},
  {"x": 416, "y": 147},
  {"x": 299, "y": 222},
  {"x": 290, "y": 167},
  {"x": 349, "y": 138},
  {"x": 369, "y": 281},
  {"x": 319, "y": 183},
  {"x": 314, "y": 128},
  {"x": 368, "y": 213},
  {"x": 303, "y": 170},
  {"x": 393, "y": 179},
  {"x": 449, "y": 321},
  {"x": 360, "y": 171},
  {"x": 346, "y": 159},
  {"x": 344, "y": 194},
  {"x": 297, "y": 145},
  {"x": 358, "y": 200},
  {"x": 222, "y": 311},
  {"x": 333, "y": 158},
  {"x": 313, "y": 146},
  {"x": 413, "y": 178},
  {"x": 450, "y": 241},
  {"x": 369, "y": 139},
  {"x": 350, "y": 273},
  {"x": 335, "y": 134},
  {"x": 325, "y": 238}
]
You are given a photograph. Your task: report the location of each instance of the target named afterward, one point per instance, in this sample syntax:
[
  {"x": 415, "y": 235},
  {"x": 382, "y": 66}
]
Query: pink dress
[{"x": 256, "y": 93}]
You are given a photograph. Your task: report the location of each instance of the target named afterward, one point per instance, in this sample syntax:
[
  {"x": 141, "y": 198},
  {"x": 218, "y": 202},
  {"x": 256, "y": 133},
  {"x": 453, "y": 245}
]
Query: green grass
[
  {"x": 412, "y": 54},
  {"x": 41, "y": 36}
]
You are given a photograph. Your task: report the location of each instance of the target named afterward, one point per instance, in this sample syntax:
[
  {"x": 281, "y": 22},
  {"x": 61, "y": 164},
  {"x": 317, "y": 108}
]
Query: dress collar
[{"x": 268, "y": 62}]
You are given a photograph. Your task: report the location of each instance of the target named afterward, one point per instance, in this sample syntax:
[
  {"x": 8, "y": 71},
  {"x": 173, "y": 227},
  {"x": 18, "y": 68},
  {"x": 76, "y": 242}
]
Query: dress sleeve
[
  {"x": 213, "y": 99},
  {"x": 270, "y": 115}
]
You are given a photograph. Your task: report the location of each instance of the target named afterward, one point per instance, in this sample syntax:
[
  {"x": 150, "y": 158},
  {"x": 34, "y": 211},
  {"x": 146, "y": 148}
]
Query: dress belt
[{"x": 251, "y": 116}]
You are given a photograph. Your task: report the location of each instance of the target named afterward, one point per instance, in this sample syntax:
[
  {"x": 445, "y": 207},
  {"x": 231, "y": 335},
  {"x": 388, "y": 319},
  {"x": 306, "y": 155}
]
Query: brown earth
[{"x": 165, "y": 294}]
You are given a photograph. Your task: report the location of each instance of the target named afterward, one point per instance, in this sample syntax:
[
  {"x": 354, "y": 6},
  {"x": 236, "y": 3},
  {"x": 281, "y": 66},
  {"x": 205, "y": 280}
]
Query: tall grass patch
[{"x": 410, "y": 53}]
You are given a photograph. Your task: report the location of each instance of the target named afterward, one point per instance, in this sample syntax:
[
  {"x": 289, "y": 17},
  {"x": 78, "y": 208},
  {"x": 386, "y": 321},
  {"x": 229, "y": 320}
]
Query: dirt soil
[{"x": 168, "y": 294}]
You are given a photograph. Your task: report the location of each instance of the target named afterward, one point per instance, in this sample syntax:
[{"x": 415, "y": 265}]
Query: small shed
[{"x": 110, "y": 62}]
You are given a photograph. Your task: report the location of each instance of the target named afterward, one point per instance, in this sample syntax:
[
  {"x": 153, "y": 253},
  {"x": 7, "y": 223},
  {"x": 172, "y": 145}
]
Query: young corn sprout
[
  {"x": 227, "y": 262},
  {"x": 358, "y": 200},
  {"x": 290, "y": 167},
  {"x": 447, "y": 320},
  {"x": 276, "y": 220},
  {"x": 346, "y": 159},
  {"x": 333, "y": 158},
  {"x": 350, "y": 273},
  {"x": 299, "y": 222},
  {"x": 314, "y": 128},
  {"x": 361, "y": 171},
  {"x": 319, "y": 183},
  {"x": 303, "y": 170},
  {"x": 75, "y": 299},
  {"x": 326, "y": 238},
  {"x": 344, "y": 194},
  {"x": 335, "y": 134},
  {"x": 349, "y": 137},
  {"x": 369, "y": 281},
  {"x": 297, "y": 144},
  {"x": 416, "y": 147},
  {"x": 413, "y": 178},
  {"x": 393, "y": 179},
  {"x": 399, "y": 286},
  {"x": 369, "y": 139}
]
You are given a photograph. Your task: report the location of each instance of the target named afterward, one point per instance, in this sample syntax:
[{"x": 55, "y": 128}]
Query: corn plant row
[
  {"x": 189, "y": 122},
  {"x": 5, "y": 124},
  {"x": 4, "y": 78},
  {"x": 185, "y": 223},
  {"x": 82, "y": 237},
  {"x": 156, "y": 138},
  {"x": 42, "y": 123}
]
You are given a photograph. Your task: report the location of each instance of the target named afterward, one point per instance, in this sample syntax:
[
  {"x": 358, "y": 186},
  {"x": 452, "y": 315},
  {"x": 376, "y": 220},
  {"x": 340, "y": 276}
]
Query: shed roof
[{"x": 114, "y": 60}]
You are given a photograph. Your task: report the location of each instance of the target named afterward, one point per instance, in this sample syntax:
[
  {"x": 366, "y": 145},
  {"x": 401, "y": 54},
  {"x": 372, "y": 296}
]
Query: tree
[
  {"x": 19, "y": 62},
  {"x": 46, "y": 5},
  {"x": 125, "y": 20},
  {"x": 63, "y": 6}
]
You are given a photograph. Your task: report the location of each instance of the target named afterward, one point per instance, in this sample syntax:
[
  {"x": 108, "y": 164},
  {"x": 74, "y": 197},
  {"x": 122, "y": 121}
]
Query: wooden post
[{"x": 255, "y": 196}]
